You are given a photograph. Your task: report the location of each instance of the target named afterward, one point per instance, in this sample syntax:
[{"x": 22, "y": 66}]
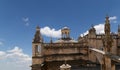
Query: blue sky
[{"x": 19, "y": 18}]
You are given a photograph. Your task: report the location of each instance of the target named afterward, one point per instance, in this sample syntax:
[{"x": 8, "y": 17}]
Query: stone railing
[{"x": 64, "y": 45}]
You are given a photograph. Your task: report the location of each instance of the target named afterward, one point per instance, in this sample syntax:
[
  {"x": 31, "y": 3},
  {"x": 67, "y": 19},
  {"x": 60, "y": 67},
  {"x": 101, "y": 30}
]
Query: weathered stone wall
[
  {"x": 114, "y": 47},
  {"x": 37, "y": 60},
  {"x": 65, "y": 57},
  {"x": 65, "y": 53},
  {"x": 64, "y": 50}
]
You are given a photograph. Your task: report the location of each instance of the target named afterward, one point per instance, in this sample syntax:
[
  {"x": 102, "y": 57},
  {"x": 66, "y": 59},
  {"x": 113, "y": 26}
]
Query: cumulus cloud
[
  {"x": 2, "y": 55},
  {"x": 26, "y": 21},
  {"x": 85, "y": 33},
  {"x": 99, "y": 29},
  {"x": 51, "y": 32},
  {"x": 113, "y": 19},
  {"x": 15, "y": 50},
  {"x": 15, "y": 59}
]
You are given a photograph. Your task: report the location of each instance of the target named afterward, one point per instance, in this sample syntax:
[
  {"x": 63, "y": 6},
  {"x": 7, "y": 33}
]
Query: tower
[
  {"x": 108, "y": 38},
  {"x": 107, "y": 27},
  {"x": 37, "y": 50},
  {"x": 37, "y": 43},
  {"x": 65, "y": 33}
]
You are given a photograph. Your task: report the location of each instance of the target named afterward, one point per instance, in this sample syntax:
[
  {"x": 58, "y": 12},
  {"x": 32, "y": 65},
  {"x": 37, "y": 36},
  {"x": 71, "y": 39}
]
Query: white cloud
[
  {"x": 99, "y": 29},
  {"x": 26, "y": 21},
  {"x": 2, "y": 55},
  {"x": 51, "y": 32},
  {"x": 84, "y": 33},
  {"x": 15, "y": 50},
  {"x": 113, "y": 19},
  {"x": 14, "y": 59},
  {"x": 27, "y": 24}
]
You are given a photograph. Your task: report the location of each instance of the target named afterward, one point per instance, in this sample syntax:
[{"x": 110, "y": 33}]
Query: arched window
[{"x": 36, "y": 49}]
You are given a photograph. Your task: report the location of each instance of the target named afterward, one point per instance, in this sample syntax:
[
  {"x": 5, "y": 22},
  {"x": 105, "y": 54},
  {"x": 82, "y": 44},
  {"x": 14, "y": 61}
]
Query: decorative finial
[
  {"x": 107, "y": 16},
  {"x": 37, "y": 28}
]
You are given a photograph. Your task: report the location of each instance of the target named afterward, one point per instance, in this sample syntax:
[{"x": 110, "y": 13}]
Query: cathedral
[{"x": 50, "y": 56}]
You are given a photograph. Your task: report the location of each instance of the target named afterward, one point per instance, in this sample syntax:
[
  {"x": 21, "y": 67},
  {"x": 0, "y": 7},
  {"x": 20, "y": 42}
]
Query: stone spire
[
  {"x": 107, "y": 25},
  {"x": 108, "y": 38},
  {"x": 37, "y": 36}
]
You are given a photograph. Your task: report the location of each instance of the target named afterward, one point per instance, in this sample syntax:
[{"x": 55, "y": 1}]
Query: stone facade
[{"x": 49, "y": 56}]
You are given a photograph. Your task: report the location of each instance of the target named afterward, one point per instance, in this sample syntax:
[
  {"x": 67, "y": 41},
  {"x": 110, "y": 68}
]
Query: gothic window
[
  {"x": 36, "y": 48},
  {"x": 39, "y": 49}
]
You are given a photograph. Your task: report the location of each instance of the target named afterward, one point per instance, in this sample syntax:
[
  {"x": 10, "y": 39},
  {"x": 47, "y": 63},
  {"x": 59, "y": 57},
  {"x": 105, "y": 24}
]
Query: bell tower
[
  {"x": 37, "y": 50},
  {"x": 37, "y": 43},
  {"x": 65, "y": 32}
]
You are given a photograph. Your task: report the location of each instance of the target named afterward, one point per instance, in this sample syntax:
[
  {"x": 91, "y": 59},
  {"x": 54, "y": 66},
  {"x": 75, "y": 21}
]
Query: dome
[{"x": 65, "y": 28}]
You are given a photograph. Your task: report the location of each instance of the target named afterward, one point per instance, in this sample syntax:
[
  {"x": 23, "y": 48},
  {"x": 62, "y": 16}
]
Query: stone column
[
  {"x": 107, "y": 63},
  {"x": 112, "y": 66},
  {"x": 102, "y": 67}
]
